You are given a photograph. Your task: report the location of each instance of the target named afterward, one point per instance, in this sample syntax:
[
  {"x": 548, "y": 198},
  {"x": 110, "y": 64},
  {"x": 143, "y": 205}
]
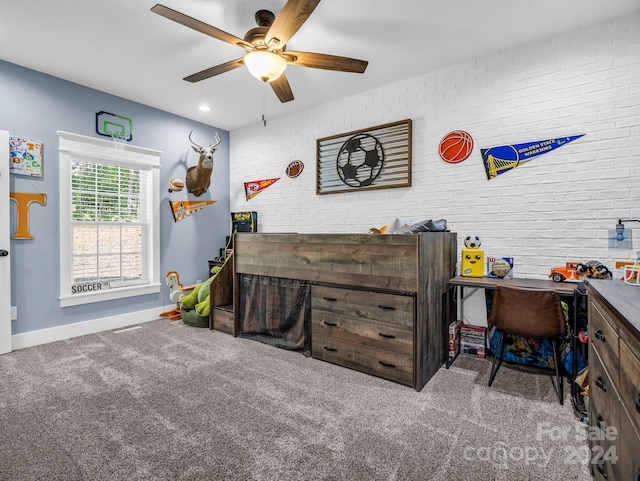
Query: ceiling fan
[{"x": 266, "y": 55}]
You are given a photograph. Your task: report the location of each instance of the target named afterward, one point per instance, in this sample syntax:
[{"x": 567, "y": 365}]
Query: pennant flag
[
  {"x": 184, "y": 208},
  {"x": 253, "y": 188},
  {"x": 498, "y": 160}
]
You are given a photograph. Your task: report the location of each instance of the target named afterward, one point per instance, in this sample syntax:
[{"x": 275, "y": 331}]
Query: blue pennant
[{"x": 498, "y": 160}]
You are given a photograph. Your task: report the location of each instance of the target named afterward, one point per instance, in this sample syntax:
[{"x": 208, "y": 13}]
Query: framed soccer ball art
[{"x": 374, "y": 158}]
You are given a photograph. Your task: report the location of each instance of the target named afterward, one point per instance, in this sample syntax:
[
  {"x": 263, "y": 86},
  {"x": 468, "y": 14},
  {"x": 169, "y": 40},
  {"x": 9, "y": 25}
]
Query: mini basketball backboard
[{"x": 114, "y": 126}]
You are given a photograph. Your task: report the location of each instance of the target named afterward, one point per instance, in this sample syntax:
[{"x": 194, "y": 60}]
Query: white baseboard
[{"x": 68, "y": 331}]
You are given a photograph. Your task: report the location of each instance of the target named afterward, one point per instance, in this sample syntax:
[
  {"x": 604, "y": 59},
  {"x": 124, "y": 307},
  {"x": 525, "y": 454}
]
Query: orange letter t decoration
[{"x": 23, "y": 200}]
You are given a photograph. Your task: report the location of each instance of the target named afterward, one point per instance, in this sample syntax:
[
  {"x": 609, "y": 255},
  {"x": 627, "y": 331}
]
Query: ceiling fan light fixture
[{"x": 264, "y": 65}]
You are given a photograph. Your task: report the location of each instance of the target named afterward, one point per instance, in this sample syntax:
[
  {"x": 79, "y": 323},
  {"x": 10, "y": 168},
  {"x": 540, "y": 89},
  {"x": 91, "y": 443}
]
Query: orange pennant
[
  {"x": 184, "y": 208},
  {"x": 253, "y": 188}
]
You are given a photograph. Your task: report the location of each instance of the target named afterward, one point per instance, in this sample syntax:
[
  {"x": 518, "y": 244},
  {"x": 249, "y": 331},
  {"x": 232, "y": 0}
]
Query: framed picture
[{"x": 374, "y": 158}]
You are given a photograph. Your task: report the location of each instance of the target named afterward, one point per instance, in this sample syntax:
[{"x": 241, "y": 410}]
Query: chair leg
[
  {"x": 497, "y": 357},
  {"x": 559, "y": 379}
]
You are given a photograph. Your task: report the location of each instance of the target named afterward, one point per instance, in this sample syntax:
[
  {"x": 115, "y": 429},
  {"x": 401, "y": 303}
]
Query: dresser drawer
[
  {"x": 377, "y": 306},
  {"x": 223, "y": 320},
  {"x": 630, "y": 383},
  {"x": 603, "y": 337},
  {"x": 376, "y": 334},
  {"x": 603, "y": 394},
  {"x": 630, "y": 450},
  {"x": 378, "y": 362},
  {"x": 603, "y": 448}
]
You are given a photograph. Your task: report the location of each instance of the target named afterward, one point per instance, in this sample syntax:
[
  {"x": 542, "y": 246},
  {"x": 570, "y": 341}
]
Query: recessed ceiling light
[{"x": 205, "y": 108}]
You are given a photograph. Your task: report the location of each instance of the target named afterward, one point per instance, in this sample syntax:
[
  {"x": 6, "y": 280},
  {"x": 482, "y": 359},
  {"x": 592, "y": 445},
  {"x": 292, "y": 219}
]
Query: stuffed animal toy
[
  {"x": 195, "y": 307},
  {"x": 199, "y": 298}
]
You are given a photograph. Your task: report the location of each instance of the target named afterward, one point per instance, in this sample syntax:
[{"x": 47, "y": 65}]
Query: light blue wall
[{"x": 36, "y": 106}]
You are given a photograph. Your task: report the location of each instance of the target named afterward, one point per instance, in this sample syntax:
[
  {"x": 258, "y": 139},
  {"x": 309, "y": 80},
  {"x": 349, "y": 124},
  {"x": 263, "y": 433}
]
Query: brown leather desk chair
[{"x": 527, "y": 312}]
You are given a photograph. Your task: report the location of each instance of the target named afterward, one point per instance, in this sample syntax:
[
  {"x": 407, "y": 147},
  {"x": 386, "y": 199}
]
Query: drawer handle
[
  {"x": 332, "y": 299},
  {"x": 638, "y": 409},
  {"x": 601, "y": 384},
  {"x": 599, "y": 335},
  {"x": 601, "y": 469},
  {"x": 600, "y": 423},
  {"x": 330, "y": 349},
  {"x": 387, "y": 308},
  {"x": 330, "y": 324},
  {"x": 386, "y": 336},
  {"x": 387, "y": 364}
]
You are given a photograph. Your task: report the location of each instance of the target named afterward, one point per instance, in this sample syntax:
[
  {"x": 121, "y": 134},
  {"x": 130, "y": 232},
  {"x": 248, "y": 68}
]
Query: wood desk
[{"x": 565, "y": 289}]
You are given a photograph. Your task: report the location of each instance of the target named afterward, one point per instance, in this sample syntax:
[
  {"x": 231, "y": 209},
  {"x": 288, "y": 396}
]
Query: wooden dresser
[
  {"x": 614, "y": 380},
  {"x": 376, "y": 300}
]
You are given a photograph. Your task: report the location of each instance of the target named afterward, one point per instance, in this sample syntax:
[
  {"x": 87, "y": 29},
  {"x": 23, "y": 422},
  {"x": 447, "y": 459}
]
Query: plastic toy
[
  {"x": 568, "y": 272},
  {"x": 176, "y": 292},
  {"x": 594, "y": 270},
  {"x": 472, "y": 257},
  {"x": 632, "y": 273},
  {"x": 576, "y": 271}
]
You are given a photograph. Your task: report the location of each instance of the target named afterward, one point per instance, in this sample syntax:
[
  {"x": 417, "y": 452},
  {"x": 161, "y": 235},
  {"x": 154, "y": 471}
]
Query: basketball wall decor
[
  {"x": 374, "y": 158},
  {"x": 294, "y": 169},
  {"x": 455, "y": 147}
]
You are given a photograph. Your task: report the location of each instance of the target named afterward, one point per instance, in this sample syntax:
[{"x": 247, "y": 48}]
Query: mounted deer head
[{"x": 198, "y": 177}]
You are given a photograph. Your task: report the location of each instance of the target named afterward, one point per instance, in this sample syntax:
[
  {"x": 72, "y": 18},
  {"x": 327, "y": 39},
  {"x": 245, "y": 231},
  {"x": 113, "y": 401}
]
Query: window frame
[{"x": 97, "y": 150}]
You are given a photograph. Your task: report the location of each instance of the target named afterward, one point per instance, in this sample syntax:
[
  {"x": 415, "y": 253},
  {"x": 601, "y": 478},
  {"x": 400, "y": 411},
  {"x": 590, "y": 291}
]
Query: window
[{"x": 109, "y": 228}]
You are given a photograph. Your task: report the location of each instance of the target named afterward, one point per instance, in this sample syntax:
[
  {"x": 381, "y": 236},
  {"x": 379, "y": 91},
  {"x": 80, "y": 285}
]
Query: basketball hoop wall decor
[
  {"x": 119, "y": 128},
  {"x": 374, "y": 158},
  {"x": 455, "y": 147}
]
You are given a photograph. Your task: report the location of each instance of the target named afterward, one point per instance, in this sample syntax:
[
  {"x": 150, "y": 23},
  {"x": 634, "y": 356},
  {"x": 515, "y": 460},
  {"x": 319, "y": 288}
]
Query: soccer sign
[{"x": 374, "y": 158}]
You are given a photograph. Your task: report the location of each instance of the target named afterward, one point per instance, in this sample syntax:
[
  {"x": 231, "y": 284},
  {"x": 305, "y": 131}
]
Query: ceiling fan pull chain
[{"x": 264, "y": 104}]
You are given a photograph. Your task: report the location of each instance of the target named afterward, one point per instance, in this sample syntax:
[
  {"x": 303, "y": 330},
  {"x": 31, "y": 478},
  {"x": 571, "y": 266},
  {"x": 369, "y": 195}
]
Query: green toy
[{"x": 195, "y": 306}]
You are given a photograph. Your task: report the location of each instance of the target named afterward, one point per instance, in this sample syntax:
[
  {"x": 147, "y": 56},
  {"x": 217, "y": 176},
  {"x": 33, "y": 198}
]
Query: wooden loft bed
[{"x": 376, "y": 301}]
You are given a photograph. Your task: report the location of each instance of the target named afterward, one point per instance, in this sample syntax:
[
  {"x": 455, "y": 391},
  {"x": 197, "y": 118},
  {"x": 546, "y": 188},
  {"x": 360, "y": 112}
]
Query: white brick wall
[{"x": 556, "y": 208}]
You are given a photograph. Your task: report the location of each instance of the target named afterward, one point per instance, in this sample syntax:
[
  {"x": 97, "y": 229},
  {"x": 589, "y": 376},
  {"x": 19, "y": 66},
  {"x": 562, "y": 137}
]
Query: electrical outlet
[{"x": 14, "y": 313}]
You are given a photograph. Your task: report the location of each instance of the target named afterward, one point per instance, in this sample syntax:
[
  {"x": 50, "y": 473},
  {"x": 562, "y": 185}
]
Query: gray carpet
[{"x": 172, "y": 402}]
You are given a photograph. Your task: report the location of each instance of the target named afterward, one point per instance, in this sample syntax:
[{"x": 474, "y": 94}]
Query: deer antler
[
  {"x": 211, "y": 146},
  {"x": 193, "y": 142},
  {"x": 218, "y": 140}
]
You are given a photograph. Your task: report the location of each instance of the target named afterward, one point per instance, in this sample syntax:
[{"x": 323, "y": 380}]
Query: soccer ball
[
  {"x": 360, "y": 160},
  {"x": 472, "y": 242}
]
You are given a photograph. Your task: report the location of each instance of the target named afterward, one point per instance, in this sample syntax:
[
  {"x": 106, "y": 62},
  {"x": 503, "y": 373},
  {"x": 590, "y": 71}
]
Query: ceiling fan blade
[
  {"x": 217, "y": 70},
  {"x": 289, "y": 20},
  {"x": 282, "y": 89},
  {"x": 324, "y": 61},
  {"x": 205, "y": 28}
]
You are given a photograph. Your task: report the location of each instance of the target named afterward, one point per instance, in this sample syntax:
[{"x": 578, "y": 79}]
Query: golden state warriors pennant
[{"x": 498, "y": 160}]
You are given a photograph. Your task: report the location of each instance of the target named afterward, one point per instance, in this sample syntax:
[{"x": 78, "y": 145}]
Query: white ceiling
[{"x": 122, "y": 48}]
